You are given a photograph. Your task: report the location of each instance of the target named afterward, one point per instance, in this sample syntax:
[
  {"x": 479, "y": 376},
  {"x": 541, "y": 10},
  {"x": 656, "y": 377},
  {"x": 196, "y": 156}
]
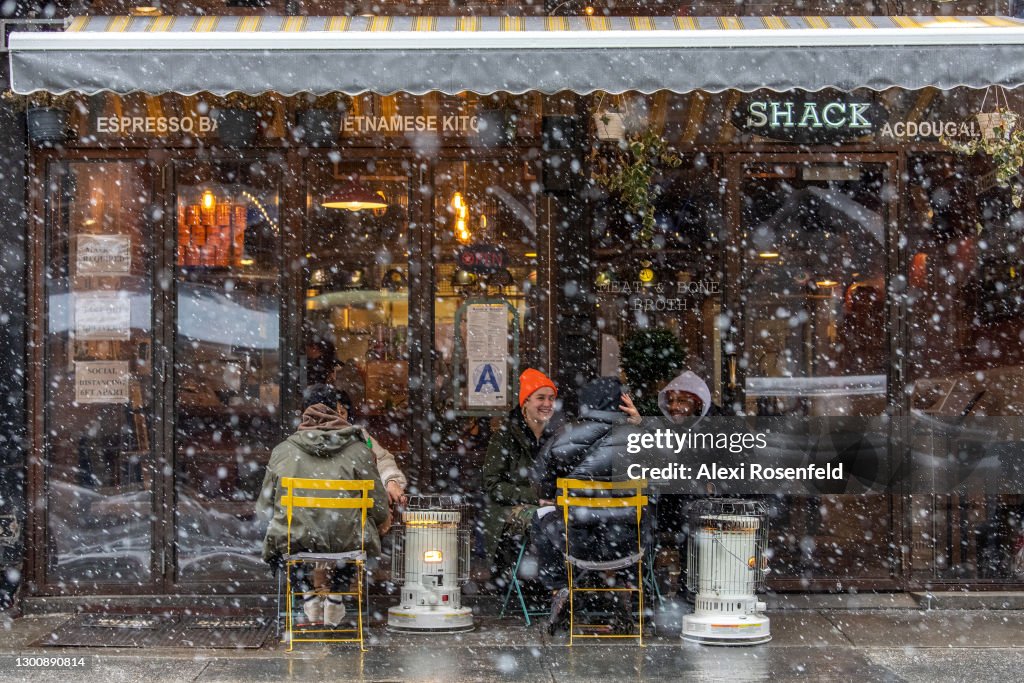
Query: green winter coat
[
  {"x": 507, "y": 474},
  {"x": 316, "y": 454}
]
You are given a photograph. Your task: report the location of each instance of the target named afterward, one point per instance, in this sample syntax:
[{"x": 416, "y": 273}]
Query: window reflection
[
  {"x": 99, "y": 410},
  {"x": 487, "y": 206},
  {"x": 966, "y": 367},
  {"x": 814, "y": 341},
  {"x": 356, "y": 327},
  {"x": 814, "y": 273},
  {"x": 227, "y": 363}
]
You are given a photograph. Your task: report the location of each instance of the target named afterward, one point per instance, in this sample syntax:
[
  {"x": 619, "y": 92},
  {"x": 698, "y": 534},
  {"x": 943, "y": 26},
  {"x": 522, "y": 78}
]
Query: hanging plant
[
  {"x": 40, "y": 100},
  {"x": 46, "y": 115},
  {"x": 631, "y": 176},
  {"x": 1006, "y": 149},
  {"x": 1001, "y": 140}
]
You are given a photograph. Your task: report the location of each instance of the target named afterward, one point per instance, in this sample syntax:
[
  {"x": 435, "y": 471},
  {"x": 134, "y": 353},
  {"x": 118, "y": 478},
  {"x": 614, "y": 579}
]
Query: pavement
[{"x": 887, "y": 639}]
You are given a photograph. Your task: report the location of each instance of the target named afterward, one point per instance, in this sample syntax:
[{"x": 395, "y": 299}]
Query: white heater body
[
  {"x": 727, "y": 565},
  {"x": 431, "y": 563}
]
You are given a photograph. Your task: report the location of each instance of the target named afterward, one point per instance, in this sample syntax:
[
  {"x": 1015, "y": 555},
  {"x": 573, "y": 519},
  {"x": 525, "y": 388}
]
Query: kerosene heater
[
  {"x": 726, "y": 566},
  {"x": 430, "y": 562}
]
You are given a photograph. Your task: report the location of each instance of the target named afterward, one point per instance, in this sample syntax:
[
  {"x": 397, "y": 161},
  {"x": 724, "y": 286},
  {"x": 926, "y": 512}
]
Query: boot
[
  {"x": 313, "y": 607},
  {"x": 334, "y": 611},
  {"x": 559, "y": 610}
]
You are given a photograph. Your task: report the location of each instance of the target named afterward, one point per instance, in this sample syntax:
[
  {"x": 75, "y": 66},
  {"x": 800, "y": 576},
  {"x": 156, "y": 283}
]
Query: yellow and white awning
[{"x": 515, "y": 54}]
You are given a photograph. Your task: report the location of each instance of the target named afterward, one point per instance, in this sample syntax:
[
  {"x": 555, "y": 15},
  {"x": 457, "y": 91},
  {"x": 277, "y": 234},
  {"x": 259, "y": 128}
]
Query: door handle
[{"x": 731, "y": 365}]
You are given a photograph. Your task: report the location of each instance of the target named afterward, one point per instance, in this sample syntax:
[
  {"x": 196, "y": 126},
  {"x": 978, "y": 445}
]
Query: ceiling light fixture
[{"x": 354, "y": 196}]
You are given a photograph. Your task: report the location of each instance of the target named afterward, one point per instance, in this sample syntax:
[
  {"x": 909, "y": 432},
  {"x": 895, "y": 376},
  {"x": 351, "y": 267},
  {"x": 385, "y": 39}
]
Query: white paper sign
[
  {"x": 487, "y": 387},
  {"x": 487, "y": 355},
  {"x": 486, "y": 331},
  {"x": 102, "y": 317},
  {"x": 103, "y": 255},
  {"x": 101, "y": 381}
]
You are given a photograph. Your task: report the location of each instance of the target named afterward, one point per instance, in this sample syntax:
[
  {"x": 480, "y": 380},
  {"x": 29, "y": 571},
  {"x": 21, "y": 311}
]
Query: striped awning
[{"x": 254, "y": 54}]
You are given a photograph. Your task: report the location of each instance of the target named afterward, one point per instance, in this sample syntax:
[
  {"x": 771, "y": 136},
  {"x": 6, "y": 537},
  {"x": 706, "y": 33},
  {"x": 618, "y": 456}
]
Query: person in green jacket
[
  {"x": 511, "y": 499},
  {"x": 324, "y": 447}
]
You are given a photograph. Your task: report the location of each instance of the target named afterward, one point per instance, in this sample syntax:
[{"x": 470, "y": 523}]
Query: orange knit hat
[{"x": 530, "y": 381}]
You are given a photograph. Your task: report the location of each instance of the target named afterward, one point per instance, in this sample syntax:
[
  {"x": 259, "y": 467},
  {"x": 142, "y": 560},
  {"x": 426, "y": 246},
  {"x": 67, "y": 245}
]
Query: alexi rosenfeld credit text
[{"x": 688, "y": 447}]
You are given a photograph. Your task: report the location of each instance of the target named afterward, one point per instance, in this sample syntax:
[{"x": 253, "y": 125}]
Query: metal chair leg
[
  {"x": 277, "y": 605},
  {"x": 366, "y": 590},
  {"x": 514, "y": 584},
  {"x": 288, "y": 606},
  {"x": 640, "y": 585},
  {"x": 653, "y": 581},
  {"x": 359, "y": 598},
  {"x": 522, "y": 599}
]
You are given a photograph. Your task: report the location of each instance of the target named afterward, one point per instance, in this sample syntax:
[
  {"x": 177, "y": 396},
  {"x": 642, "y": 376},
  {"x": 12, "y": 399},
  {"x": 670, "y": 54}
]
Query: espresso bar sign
[
  {"x": 812, "y": 118},
  {"x": 155, "y": 125}
]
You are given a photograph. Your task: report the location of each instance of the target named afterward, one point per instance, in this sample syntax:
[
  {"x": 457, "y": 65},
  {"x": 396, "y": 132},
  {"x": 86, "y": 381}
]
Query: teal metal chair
[{"x": 516, "y": 585}]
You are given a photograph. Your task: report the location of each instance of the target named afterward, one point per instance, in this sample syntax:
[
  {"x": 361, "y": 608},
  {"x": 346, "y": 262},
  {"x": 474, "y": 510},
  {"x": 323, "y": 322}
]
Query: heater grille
[
  {"x": 432, "y": 542},
  {"x": 726, "y": 555}
]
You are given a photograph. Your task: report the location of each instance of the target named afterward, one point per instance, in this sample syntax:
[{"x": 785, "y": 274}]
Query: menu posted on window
[
  {"x": 102, "y": 317},
  {"x": 101, "y": 381},
  {"x": 487, "y": 355},
  {"x": 103, "y": 255}
]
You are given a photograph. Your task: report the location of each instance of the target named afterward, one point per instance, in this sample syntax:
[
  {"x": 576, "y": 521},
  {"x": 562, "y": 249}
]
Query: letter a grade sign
[
  {"x": 486, "y": 383},
  {"x": 487, "y": 355}
]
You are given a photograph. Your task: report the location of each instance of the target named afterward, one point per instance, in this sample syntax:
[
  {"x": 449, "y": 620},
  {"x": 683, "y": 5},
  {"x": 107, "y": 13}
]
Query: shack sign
[
  {"x": 811, "y": 118},
  {"x": 483, "y": 258}
]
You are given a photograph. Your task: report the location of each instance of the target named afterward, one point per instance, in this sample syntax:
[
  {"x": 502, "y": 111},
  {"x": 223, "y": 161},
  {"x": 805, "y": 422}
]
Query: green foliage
[
  {"x": 650, "y": 358},
  {"x": 637, "y": 161},
  {"x": 1006, "y": 148},
  {"x": 332, "y": 101},
  {"x": 239, "y": 100},
  {"x": 39, "y": 99}
]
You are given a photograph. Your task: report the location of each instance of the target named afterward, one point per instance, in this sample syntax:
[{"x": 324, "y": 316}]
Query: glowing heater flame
[{"x": 432, "y": 556}]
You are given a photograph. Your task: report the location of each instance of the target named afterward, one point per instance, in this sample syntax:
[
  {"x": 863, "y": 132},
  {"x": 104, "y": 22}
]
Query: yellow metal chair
[
  {"x": 574, "y": 493},
  {"x": 363, "y": 502}
]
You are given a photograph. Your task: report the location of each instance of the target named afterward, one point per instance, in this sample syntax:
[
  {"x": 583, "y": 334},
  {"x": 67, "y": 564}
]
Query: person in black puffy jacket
[{"x": 586, "y": 448}]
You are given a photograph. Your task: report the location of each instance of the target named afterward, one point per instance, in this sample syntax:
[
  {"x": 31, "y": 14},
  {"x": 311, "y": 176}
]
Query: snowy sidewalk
[{"x": 815, "y": 645}]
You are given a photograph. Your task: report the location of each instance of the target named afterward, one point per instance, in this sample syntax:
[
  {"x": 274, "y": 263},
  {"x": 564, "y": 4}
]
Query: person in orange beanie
[{"x": 511, "y": 498}]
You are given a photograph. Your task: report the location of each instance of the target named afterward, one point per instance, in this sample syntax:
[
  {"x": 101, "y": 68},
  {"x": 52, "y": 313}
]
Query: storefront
[{"x": 816, "y": 251}]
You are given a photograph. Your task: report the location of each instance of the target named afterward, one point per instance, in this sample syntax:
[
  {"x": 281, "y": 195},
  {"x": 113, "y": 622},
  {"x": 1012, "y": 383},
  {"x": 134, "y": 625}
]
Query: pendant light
[{"x": 354, "y": 196}]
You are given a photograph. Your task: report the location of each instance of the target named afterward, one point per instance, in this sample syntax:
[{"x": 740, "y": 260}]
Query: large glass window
[
  {"x": 965, "y": 298},
  {"x": 814, "y": 339},
  {"x": 677, "y": 284},
  {"x": 227, "y": 370},
  {"x": 484, "y": 297},
  {"x": 99, "y": 375},
  {"x": 357, "y": 273},
  {"x": 813, "y": 268}
]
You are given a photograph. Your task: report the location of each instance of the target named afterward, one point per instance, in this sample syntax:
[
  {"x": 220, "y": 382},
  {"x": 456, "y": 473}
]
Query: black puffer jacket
[
  {"x": 582, "y": 449},
  {"x": 588, "y": 449}
]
